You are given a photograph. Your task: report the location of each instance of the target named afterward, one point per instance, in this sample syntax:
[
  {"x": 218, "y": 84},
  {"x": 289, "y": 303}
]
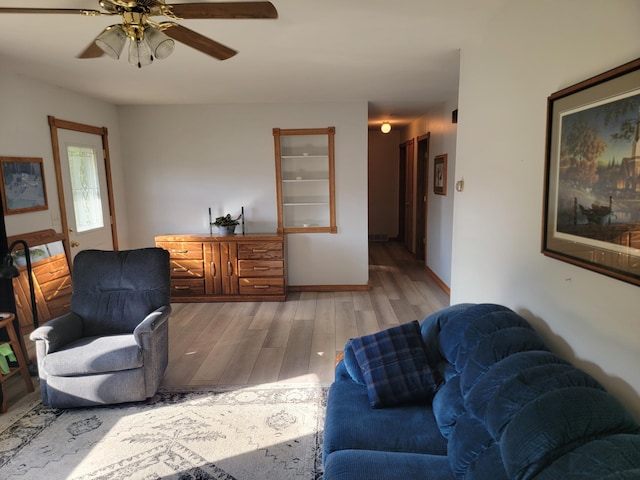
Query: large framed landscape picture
[
  {"x": 592, "y": 174},
  {"x": 23, "y": 187}
]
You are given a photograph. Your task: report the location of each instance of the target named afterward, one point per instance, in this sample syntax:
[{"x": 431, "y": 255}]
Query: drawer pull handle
[
  {"x": 53, "y": 272},
  {"x": 259, "y": 250},
  {"x": 181, "y": 287},
  {"x": 179, "y": 251},
  {"x": 260, "y": 269},
  {"x": 230, "y": 267},
  {"x": 261, "y": 287},
  {"x": 180, "y": 269},
  {"x": 213, "y": 269}
]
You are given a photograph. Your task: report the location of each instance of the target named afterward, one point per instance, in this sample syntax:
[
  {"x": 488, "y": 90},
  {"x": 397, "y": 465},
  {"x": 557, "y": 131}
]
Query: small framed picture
[
  {"x": 23, "y": 186},
  {"x": 440, "y": 175}
]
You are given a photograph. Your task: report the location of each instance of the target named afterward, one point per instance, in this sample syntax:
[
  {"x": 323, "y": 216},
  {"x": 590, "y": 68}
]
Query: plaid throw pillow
[{"x": 395, "y": 367}]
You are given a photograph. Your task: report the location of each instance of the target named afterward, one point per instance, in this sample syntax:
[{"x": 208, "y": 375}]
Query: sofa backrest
[
  {"x": 507, "y": 406},
  {"x": 556, "y": 423}
]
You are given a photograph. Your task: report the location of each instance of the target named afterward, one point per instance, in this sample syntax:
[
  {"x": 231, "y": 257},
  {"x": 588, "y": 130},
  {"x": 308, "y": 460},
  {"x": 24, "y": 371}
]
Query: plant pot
[{"x": 227, "y": 230}]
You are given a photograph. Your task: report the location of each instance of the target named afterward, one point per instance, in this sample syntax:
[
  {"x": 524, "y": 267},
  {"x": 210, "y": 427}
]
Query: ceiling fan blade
[
  {"x": 51, "y": 10},
  {"x": 199, "y": 42},
  {"x": 224, "y": 10},
  {"x": 92, "y": 51}
]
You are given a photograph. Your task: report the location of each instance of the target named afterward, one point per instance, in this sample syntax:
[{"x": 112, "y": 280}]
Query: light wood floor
[
  {"x": 249, "y": 343},
  {"x": 297, "y": 340}
]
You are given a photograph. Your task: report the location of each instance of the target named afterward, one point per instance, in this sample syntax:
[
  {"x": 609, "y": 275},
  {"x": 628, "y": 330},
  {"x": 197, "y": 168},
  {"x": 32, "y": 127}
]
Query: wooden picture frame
[
  {"x": 23, "y": 185},
  {"x": 592, "y": 174},
  {"x": 440, "y": 174}
]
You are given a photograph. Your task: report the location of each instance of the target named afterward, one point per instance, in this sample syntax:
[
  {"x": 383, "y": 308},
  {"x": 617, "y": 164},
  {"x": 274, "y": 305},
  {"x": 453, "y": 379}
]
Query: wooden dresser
[
  {"x": 209, "y": 268},
  {"x": 51, "y": 278}
]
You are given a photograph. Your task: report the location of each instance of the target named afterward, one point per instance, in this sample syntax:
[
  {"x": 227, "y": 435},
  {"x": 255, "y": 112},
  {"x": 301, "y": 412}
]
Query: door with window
[{"x": 86, "y": 197}]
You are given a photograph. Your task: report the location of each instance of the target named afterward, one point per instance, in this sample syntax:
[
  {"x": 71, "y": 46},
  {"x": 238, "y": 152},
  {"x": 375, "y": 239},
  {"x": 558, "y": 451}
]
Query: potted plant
[
  {"x": 34, "y": 253},
  {"x": 226, "y": 225}
]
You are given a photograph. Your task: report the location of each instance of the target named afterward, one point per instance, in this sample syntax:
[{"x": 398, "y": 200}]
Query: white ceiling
[{"x": 401, "y": 56}]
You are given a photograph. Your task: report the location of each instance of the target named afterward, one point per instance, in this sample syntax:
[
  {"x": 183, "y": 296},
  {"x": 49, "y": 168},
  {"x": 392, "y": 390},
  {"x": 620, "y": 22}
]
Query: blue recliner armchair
[{"x": 113, "y": 345}]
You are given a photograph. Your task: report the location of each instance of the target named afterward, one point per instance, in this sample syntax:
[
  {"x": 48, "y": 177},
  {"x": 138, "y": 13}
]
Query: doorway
[
  {"x": 85, "y": 192},
  {"x": 422, "y": 195}
]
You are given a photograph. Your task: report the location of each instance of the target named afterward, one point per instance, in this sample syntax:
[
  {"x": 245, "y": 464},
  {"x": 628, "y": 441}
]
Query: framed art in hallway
[
  {"x": 440, "y": 174},
  {"x": 592, "y": 174},
  {"x": 23, "y": 186}
]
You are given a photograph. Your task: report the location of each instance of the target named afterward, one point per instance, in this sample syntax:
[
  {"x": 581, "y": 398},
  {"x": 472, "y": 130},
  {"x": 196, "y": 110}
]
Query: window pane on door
[{"x": 85, "y": 187}]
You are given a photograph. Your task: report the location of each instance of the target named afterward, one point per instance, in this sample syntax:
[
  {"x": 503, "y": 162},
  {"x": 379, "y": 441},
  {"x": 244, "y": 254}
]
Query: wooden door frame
[
  {"x": 422, "y": 196},
  {"x": 402, "y": 191},
  {"x": 407, "y": 150},
  {"x": 54, "y": 125}
]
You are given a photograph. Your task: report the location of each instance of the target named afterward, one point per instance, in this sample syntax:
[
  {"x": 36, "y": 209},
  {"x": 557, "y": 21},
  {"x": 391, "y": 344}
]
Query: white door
[{"x": 84, "y": 182}]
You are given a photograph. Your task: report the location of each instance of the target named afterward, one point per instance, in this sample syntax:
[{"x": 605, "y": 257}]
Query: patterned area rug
[{"x": 269, "y": 432}]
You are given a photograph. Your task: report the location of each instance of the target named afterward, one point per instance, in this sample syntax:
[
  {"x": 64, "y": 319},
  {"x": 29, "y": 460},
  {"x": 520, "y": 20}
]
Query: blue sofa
[{"x": 504, "y": 407}]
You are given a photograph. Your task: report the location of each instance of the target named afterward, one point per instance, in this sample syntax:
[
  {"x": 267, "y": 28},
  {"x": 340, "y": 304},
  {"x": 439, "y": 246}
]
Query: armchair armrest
[
  {"x": 151, "y": 323},
  {"x": 58, "y": 332},
  {"x": 152, "y": 334}
]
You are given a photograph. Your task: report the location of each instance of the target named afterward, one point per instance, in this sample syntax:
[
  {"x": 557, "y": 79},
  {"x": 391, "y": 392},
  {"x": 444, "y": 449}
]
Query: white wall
[
  {"x": 181, "y": 160},
  {"x": 25, "y": 105},
  {"x": 531, "y": 50}
]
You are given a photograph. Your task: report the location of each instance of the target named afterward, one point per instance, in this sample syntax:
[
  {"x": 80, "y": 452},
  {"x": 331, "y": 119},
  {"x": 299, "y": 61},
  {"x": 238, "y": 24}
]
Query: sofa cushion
[
  {"x": 352, "y": 423},
  {"x": 452, "y": 332},
  {"x": 448, "y": 405},
  {"x": 91, "y": 355},
  {"x": 631, "y": 474},
  {"x": 394, "y": 366},
  {"x": 377, "y": 465},
  {"x": 487, "y": 465},
  {"x": 527, "y": 385},
  {"x": 472, "y": 450},
  {"x": 614, "y": 457},
  {"x": 433, "y": 324},
  {"x": 495, "y": 347},
  {"x": 351, "y": 364},
  {"x": 558, "y": 422},
  {"x": 484, "y": 326},
  {"x": 478, "y": 397}
]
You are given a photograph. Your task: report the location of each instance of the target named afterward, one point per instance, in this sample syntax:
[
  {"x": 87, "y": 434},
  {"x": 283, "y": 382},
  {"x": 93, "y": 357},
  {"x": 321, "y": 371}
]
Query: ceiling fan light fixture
[
  {"x": 160, "y": 44},
  {"x": 111, "y": 41},
  {"x": 140, "y": 53},
  {"x": 385, "y": 127}
]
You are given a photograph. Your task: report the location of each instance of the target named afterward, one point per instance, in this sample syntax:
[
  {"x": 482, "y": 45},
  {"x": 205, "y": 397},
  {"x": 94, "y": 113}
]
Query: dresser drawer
[
  {"x": 186, "y": 287},
  {"x": 262, "y": 286},
  {"x": 261, "y": 268},
  {"x": 55, "y": 267},
  {"x": 260, "y": 251},
  {"x": 59, "y": 305},
  {"x": 186, "y": 268},
  {"x": 56, "y": 287},
  {"x": 190, "y": 250}
]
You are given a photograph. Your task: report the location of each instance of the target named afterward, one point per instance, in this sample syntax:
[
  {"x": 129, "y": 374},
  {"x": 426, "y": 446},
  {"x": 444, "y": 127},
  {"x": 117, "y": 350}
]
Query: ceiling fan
[{"x": 151, "y": 39}]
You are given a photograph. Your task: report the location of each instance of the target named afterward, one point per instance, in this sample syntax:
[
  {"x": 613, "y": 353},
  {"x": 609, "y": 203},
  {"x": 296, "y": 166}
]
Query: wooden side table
[{"x": 6, "y": 321}]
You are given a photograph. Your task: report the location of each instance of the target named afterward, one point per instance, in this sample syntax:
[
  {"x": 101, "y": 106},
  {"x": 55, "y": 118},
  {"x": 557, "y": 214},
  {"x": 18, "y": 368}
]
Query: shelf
[
  {"x": 298, "y": 180},
  {"x": 299, "y": 204},
  {"x": 305, "y": 200},
  {"x": 305, "y": 179}
]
